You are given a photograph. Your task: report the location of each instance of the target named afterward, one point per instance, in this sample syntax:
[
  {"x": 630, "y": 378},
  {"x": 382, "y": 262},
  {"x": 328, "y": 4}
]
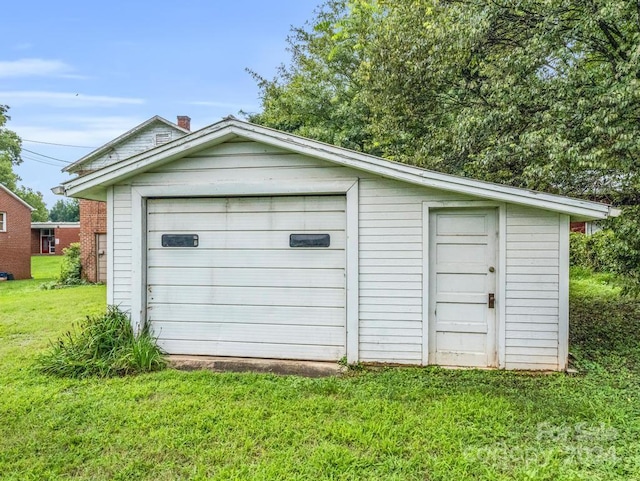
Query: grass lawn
[{"x": 391, "y": 424}]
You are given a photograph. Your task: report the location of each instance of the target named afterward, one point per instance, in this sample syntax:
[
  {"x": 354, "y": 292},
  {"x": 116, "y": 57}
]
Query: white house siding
[
  {"x": 390, "y": 250},
  {"x": 533, "y": 276},
  {"x": 140, "y": 142},
  {"x": 122, "y": 247}
]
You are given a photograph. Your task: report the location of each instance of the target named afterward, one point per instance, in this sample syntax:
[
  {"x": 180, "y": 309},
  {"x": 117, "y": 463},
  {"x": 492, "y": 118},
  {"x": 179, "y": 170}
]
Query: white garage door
[{"x": 243, "y": 290}]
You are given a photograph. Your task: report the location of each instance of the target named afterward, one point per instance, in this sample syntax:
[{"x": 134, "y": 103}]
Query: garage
[
  {"x": 248, "y": 276},
  {"x": 238, "y": 240}
]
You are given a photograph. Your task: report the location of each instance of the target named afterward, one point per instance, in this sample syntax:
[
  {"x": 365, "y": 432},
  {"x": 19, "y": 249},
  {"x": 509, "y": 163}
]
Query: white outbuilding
[{"x": 239, "y": 240}]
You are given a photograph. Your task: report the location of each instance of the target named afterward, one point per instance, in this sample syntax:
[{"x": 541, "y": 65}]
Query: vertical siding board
[{"x": 533, "y": 257}]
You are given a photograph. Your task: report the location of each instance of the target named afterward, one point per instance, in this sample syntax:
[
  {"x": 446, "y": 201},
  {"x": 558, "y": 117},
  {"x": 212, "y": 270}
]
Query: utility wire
[
  {"x": 60, "y": 145},
  {"x": 28, "y": 157},
  {"x": 47, "y": 156}
]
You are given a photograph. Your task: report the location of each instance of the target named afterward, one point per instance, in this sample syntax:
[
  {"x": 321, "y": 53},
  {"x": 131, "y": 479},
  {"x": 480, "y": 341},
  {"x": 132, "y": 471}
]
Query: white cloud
[
  {"x": 88, "y": 131},
  {"x": 64, "y": 99},
  {"x": 33, "y": 67}
]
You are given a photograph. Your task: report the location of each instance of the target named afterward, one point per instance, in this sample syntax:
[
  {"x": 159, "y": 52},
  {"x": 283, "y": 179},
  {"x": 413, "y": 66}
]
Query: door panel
[
  {"x": 244, "y": 291},
  {"x": 462, "y": 247}
]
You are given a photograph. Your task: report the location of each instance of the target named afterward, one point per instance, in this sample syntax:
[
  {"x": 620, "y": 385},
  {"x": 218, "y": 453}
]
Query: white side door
[{"x": 462, "y": 286}]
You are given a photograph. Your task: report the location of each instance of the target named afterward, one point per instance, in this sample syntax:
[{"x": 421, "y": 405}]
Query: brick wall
[
  {"x": 15, "y": 243},
  {"x": 35, "y": 241},
  {"x": 93, "y": 220},
  {"x": 66, "y": 236}
]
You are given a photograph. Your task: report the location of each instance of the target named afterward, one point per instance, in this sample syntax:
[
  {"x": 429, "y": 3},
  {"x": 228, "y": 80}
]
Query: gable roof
[
  {"x": 95, "y": 183},
  {"x": 11, "y": 194},
  {"x": 72, "y": 168}
]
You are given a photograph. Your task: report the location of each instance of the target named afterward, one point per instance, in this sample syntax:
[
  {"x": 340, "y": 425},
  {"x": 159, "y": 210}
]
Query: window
[{"x": 3, "y": 222}]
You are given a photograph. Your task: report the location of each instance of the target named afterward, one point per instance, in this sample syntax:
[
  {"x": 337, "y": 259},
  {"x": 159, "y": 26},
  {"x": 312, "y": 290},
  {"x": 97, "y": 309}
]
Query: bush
[
  {"x": 597, "y": 252},
  {"x": 104, "y": 346},
  {"x": 71, "y": 269},
  {"x": 615, "y": 249}
]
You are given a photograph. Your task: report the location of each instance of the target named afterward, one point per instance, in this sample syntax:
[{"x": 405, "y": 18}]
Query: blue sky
[{"x": 82, "y": 73}]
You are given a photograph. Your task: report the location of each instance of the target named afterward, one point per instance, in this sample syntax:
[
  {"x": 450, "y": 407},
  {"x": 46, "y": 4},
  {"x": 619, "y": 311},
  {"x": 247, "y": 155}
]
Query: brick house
[
  {"x": 15, "y": 231},
  {"x": 51, "y": 238},
  {"x": 93, "y": 214}
]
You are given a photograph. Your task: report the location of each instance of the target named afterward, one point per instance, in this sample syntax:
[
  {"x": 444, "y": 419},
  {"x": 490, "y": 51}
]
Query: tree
[
  {"x": 10, "y": 147},
  {"x": 35, "y": 200},
  {"x": 65, "y": 211},
  {"x": 542, "y": 95}
]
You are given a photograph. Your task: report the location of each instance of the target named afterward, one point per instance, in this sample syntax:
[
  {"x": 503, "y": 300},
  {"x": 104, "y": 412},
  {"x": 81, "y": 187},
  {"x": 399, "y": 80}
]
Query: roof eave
[{"x": 219, "y": 132}]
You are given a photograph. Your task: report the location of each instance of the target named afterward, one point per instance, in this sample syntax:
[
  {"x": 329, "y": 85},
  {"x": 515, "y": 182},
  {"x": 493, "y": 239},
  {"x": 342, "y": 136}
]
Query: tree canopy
[
  {"x": 536, "y": 94},
  {"x": 65, "y": 211},
  {"x": 10, "y": 148}
]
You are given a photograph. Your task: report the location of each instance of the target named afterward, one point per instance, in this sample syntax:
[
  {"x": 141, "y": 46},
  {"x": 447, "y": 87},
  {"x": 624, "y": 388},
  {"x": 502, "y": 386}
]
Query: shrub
[
  {"x": 105, "y": 346},
  {"x": 615, "y": 249},
  {"x": 597, "y": 252},
  {"x": 71, "y": 269}
]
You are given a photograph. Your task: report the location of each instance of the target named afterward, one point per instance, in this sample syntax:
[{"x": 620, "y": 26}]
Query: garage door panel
[
  {"x": 212, "y": 258},
  {"x": 319, "y": 203},
  {"x": 256, "y": 277},
  {"x": 208, "y": 239},
  {"x": 244, "y": 349},
  {"x": 243, "y": 291},
  {"x": 283, "y": 315},
  {"x": 249, "y": 333},
  {"x": 251, "y": 221},
  {"x": 247, "y": 296}
]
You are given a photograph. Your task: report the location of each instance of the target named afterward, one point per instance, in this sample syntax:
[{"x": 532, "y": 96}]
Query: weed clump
[{"x": 105, "y": 346}]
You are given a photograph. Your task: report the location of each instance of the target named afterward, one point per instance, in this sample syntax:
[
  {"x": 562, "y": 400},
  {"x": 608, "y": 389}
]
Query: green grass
[
  {"x": 389, "y": 424},
  {"x": 46, "y": 267}
]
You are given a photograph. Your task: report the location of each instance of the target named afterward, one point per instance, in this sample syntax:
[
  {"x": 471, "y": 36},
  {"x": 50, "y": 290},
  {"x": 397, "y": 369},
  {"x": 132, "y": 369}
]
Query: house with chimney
[{"x": 93, "y": 214}]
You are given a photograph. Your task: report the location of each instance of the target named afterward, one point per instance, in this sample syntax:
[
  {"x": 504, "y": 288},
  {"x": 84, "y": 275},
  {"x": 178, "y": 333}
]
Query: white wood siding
[
  {"x": 390, "y": 249},
  {"x": 140, "y": 142},
  {"x": 122, "y": 255},
  {"x": 532, "y": 303}
]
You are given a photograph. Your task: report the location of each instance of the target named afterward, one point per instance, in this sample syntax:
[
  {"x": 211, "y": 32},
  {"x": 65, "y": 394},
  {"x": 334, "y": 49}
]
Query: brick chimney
[{"x": 185, "y": 122}]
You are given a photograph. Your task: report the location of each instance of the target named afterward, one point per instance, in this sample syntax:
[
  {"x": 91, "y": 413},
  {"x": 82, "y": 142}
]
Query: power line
[
  {"x": 33, "y": 159},
  {"x": 60, "y": 145},
  {"x": 47, "y": 156}
]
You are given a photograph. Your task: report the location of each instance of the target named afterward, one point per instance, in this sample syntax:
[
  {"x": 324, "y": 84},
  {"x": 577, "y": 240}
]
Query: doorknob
[{"x": 492, "y": 300}]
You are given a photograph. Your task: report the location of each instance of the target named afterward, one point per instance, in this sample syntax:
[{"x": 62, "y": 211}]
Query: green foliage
[
  {"x": 596, "y": 252},
  {"x": 626, "y": 248},
  {"x": 542, "y": 95},
  {"x": 105, "y": 346},
  {"x": 10, "y": 143},
  {"x": 35, "y": 200},
  {"x": 71, "y": 268},
  {"x": 604, "y": 332},
  {"x": 65, "y": 211},
  {"x": 10, "y": 146},
  {"x": 615, "y": 249}
]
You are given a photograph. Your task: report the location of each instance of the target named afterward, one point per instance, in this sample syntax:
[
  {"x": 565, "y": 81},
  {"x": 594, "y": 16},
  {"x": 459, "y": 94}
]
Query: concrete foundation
[{"x": 241, "y": 364}]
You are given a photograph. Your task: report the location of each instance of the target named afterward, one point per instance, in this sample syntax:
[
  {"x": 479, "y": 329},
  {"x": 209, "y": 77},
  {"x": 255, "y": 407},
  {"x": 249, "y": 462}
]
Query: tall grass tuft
[{"x": 103, "y": 346}]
